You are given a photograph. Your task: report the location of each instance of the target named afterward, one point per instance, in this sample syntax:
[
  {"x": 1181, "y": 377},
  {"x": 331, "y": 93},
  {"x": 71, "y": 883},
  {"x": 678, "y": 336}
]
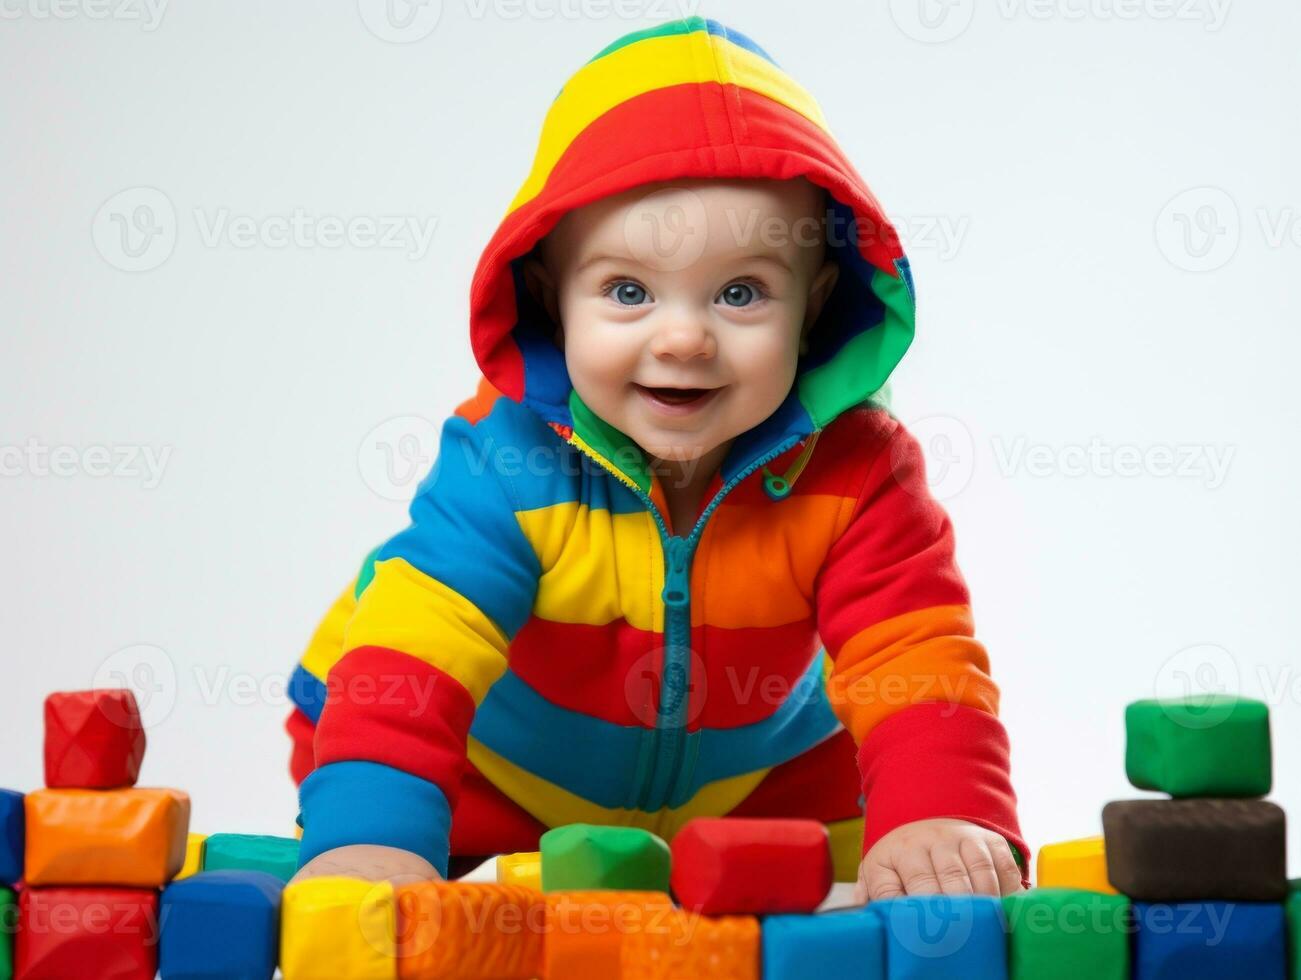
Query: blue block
[
  {"x": 13, "y": 825},
  {"x": 220, "y": 924},
  {"x": 943, "y": 936},
  {"x": 1208, "y": 940},
  {"x": 847, "y": 945}
]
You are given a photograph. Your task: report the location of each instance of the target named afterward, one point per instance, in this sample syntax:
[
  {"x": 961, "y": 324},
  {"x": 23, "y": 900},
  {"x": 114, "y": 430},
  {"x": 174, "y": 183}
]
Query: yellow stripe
[
  {"x": 326, "y": 646},
  {"x": 597, "y": 566},
  {"x": 556, "y": 807},
  {"x": 598, "y": 87},
  {"x": 846, "y": 848},
  {"x": 405, "y": 609}
]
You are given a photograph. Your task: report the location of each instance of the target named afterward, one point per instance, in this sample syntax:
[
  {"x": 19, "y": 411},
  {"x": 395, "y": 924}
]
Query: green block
[
  {"x": 1204, "y": 745},
  {"x": 581, "y": 855},
  {"x": 251, "y": 852},
  {"x": 8, "y": 929},
  {"x": 1294, "y": 928},
  {"x": 1067, "y": 934}
]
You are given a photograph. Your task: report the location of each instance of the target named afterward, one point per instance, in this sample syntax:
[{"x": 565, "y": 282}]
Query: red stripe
[
  {"x": 690, "y": 130},
  {"x": 820, "y": 784},
  {"x": 385, "y": 706},
  {"x": 301, "y": 759},
  {"x": 613, "y": 672}
]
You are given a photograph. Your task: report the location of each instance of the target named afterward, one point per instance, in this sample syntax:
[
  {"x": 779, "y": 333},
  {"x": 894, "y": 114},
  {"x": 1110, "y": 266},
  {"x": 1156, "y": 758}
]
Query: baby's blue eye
[
  {"x": 739, "y": 294},
  {"x": 629, "y": 294}
]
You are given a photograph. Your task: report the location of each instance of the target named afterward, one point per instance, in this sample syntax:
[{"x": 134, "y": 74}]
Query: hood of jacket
[{"x": 687, "y": 99}]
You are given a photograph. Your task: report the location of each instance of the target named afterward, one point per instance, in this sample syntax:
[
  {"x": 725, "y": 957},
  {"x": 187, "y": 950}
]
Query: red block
[
  {"x": 106, "y": 933},
  {"x": 93, "y": 739},
  {"x": 751, "y": 865}
]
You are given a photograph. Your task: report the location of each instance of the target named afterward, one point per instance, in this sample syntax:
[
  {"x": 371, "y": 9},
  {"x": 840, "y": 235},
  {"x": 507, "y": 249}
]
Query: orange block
[
  {"x": 587, "y": 930},
  {"x": 105, "y": 836},
  {"x": 465, "y": 931},
  {"x": 692, "y": 945}
]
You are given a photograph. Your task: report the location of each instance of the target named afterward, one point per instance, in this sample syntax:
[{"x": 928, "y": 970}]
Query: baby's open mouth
[{"x": 669, "y": 396}]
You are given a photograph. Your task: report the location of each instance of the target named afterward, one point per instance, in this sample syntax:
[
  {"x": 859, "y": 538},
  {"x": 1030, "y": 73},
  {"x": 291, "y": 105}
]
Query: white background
[{"x": 1100, "y": 199}]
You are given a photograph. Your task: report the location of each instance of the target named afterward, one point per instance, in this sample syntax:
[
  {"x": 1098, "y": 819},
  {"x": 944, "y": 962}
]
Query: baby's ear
[{"x": 820, "y": 289}]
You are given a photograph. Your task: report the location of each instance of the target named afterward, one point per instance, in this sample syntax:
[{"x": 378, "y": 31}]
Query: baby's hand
[
  {"x": 932, "y": 857},
  {"x": 370, "y": 862}
]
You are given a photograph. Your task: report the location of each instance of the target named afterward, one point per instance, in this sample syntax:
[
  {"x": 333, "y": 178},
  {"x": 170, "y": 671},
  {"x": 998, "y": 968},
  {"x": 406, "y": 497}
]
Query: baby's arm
[
  {"x": 428, "y": 637},
  {"x": 911, "y": 684}
]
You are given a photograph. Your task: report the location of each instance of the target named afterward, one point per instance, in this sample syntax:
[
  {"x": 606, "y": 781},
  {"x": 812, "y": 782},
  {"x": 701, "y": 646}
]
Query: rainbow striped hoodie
[{"x": 540, "y": 615}]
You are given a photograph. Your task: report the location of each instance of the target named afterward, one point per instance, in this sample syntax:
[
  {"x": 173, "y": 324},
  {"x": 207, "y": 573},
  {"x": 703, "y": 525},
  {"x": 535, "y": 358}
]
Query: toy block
[
  {"x": 523, "y": 869},
  {"x": 693, "y": 945},
  {"x": 105, "y": 933},
  {"x": 334, "y": 927},
  {"x": 251, "y": 852},
  {"x": 8, "y": 927},
  {"x": 221, "y": 925},
  {"x": 1204, "y": 745},
  {"x": 586, "y": 930},
  {"x": 93, "y": 739},
  {"x": 193, "y": 864},
  {"x": 841, "y": 945},
  {"x": 1196, "y": 850},
  {"x": 940, "y": 936},
  {"x": 1066, "y": 934},
  {"x": 1080, "y": 864},
  {"x": 105, "y": 836},
  {"x": 469, "y": 931},
  {"x": 1208, "y": 940},
  {"x": 750, "y": 865},
  {"x": 585, "y": 857},
  {"x": 13, "y": 823}
]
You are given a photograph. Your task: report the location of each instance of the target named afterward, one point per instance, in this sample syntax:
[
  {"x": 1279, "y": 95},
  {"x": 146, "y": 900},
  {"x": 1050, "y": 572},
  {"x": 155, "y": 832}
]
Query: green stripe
[
  {"x": 688, "y": 25},
  {"x": 619, "y": 451},
  {"x": 862, "y": 365}
]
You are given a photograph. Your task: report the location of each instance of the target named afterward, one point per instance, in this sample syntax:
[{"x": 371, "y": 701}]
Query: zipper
[{"x": 660, "y": 768}]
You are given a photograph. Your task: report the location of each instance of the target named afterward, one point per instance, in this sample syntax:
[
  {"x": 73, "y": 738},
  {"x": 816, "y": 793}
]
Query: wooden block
[
  {"x": 1203, "y": 745},
  {"x": 840, "y": 945},
  {"x": 218, "y": 925},
  {"x": 105, "y": 836},
  {"x": 93, "y": 739},
  {"x": 586, "y": 930},
  {"x": 251, "y": 852},
  {"x": 104, "y": 933},
  {"x": 751, "y": 865},
  {"x": 12, "y": 836},
  {"x": 1080, "y": 864},
  {"x": 523, "y": 869},
  {"x": 193, "y": 863},
  {"x": 1067, "y": 934},
  {"x": 692, "y": 946},
  {"x": 583, "y": 856},
  {"x": 1196, "y": 850},
  {"x": 335, "y": 927},
  {"x": 940, "y": 936},
  {"x": 1210, "y": 940},
  {"x": 465, "y": 931}
]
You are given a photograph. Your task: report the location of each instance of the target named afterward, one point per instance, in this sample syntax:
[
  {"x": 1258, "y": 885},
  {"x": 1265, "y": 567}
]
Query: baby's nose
[{"x": 684, "y": 337}]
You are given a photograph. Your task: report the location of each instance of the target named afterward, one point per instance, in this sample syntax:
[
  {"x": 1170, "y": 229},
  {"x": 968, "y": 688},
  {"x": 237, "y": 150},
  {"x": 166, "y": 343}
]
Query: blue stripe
[
  {"x": 739, "y": 39},
  {"x": 345, "y": 803},
  {"x": 594, "y": 759},
  {"x": 307, "y": 692}
]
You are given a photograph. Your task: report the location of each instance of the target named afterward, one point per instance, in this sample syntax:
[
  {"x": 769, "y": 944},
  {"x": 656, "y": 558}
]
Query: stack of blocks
[{"x": 95, "y": 848}]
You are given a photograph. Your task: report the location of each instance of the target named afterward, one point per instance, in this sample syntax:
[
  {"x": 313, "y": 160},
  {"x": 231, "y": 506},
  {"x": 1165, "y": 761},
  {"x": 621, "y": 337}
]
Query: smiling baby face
[{"x": 682, "y": 307}]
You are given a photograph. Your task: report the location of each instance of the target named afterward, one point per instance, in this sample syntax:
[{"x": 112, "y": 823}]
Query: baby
[{"x": 676, "y": 558}]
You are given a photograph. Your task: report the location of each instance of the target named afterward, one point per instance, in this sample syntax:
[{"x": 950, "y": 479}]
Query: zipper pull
[{"x": 675, "y": 593}]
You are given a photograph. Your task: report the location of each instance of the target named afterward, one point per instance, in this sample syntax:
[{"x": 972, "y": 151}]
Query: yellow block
[
  {"x": 193, "y": 855},
  {"x": 524, "y": 869},
  {"x": 1074, "y": 864},
  {"x": 335, "y": 927}
]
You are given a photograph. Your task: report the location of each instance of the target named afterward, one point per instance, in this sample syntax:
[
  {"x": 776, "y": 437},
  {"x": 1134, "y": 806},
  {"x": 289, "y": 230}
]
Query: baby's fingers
[
  {"x": 980, "y": 867},
  {"x": 876, "y": 881}
]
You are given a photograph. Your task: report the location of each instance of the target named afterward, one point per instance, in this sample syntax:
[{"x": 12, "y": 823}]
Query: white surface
[{"x": 1061, "y": 307}]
